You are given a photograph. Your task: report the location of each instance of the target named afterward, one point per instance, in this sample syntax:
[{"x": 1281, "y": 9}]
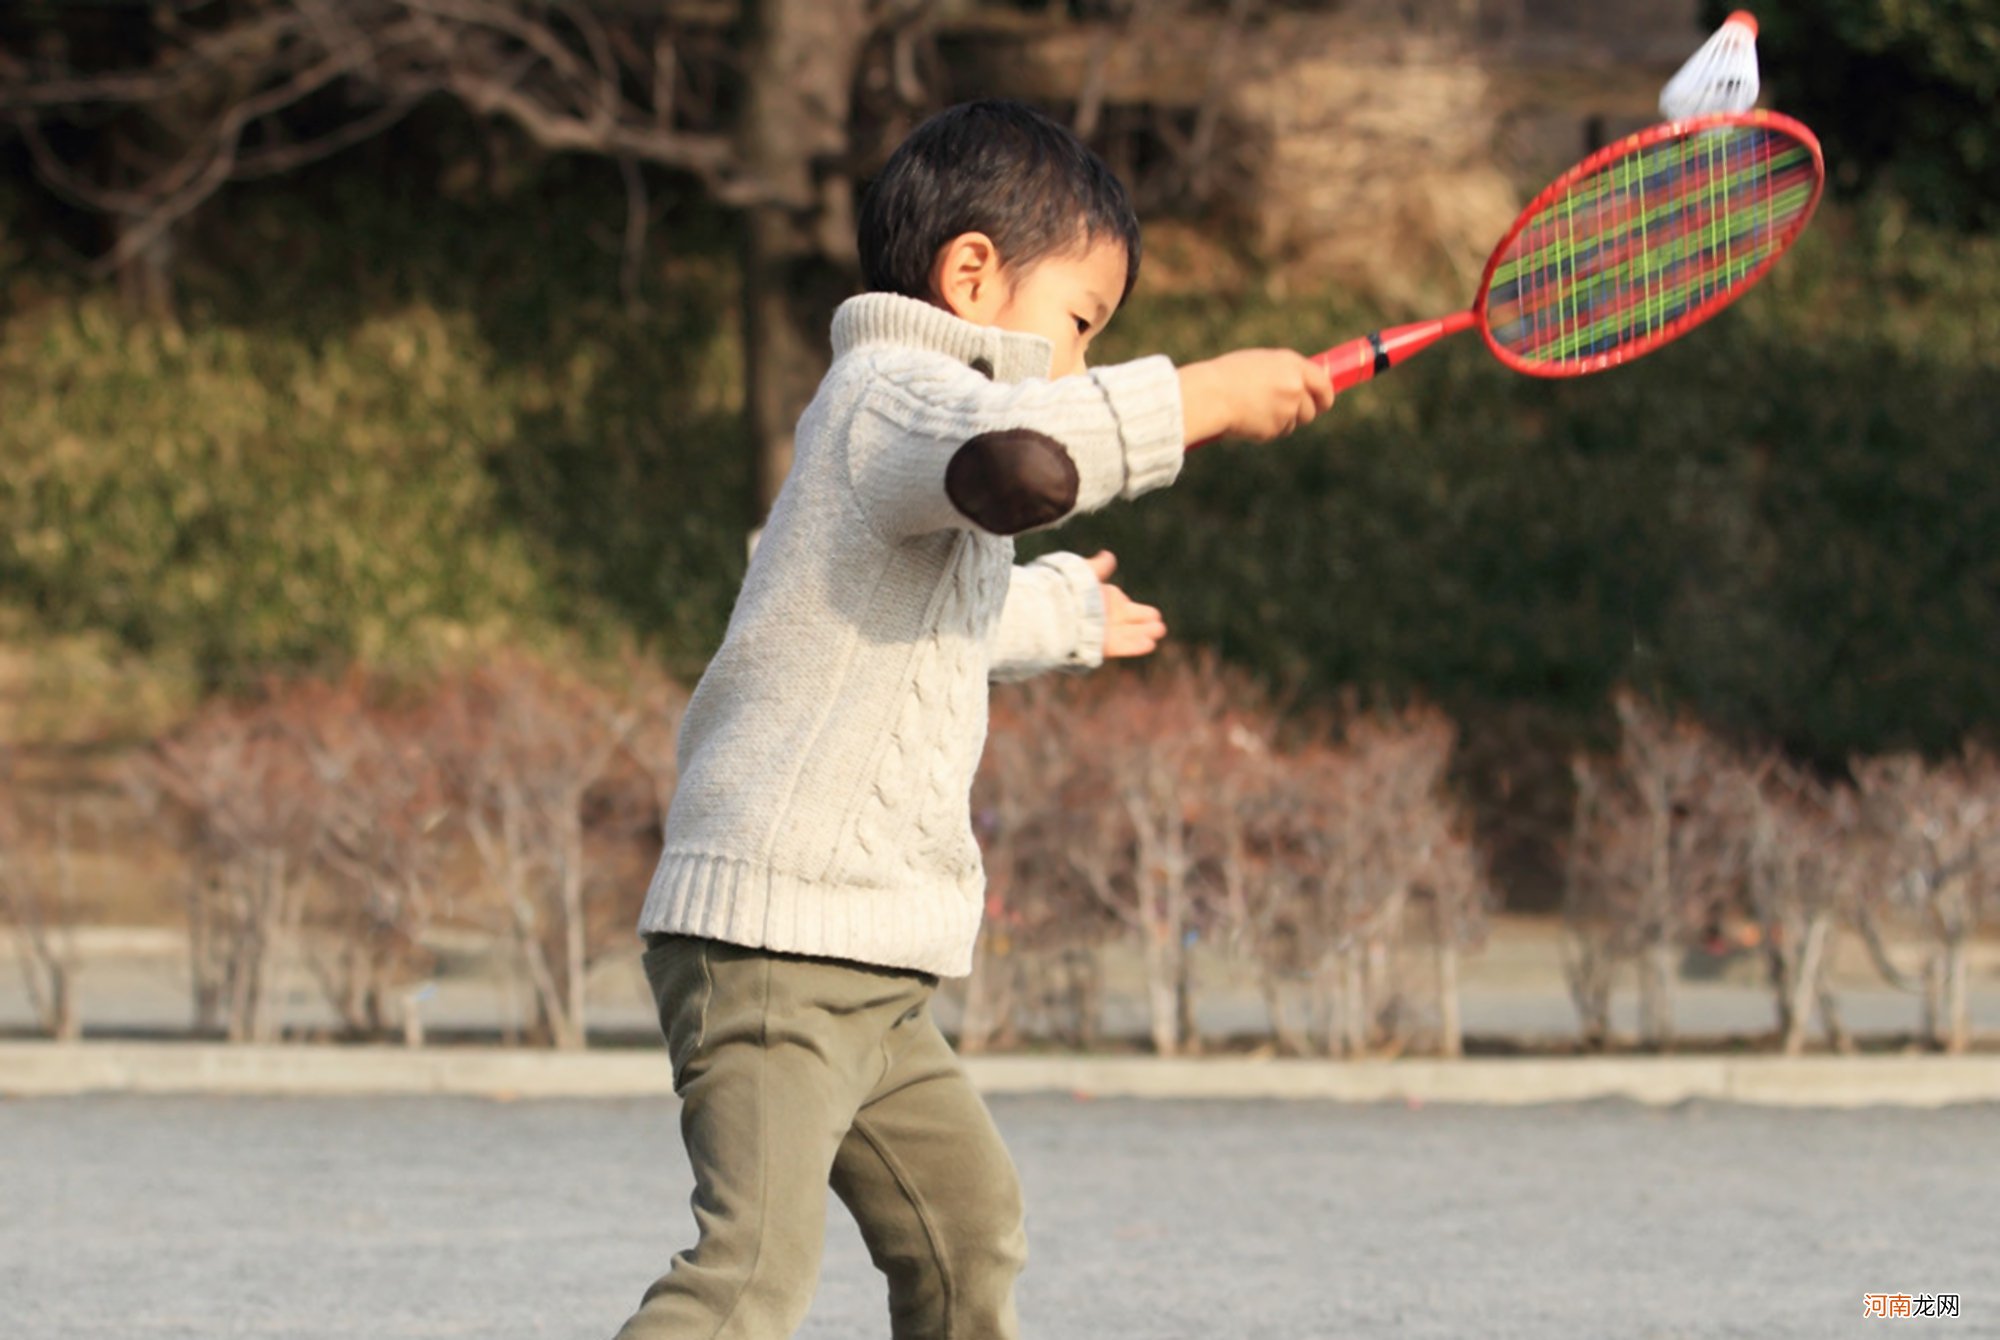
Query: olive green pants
[{"x": 797, "y": 1074}]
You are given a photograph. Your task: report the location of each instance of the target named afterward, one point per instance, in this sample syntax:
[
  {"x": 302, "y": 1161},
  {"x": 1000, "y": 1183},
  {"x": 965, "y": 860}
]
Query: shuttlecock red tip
[{"x": 1744, "y": 17}]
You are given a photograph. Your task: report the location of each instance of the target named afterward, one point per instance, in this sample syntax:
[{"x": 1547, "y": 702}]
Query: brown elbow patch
[{"x": 1012, "y": 480}]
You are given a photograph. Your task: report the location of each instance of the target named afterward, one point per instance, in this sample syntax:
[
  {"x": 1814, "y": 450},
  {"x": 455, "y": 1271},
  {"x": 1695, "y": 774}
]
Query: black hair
[{"x": 995, "y": 167}]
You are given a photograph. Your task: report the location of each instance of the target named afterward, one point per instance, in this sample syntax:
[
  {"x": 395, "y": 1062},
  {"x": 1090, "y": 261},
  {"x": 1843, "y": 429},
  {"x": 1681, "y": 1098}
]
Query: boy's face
[{"x": 1065, "y": 299}]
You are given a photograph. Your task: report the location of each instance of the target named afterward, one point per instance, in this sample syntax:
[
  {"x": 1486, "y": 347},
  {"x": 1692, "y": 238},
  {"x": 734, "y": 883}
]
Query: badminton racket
[{"x": 1630, "y": 249}]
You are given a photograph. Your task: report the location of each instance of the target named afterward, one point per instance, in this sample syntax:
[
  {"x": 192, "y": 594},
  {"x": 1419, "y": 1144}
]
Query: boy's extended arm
[
  {"x": 937, "y": 446},
  {"x": 1053, "y": 620}
]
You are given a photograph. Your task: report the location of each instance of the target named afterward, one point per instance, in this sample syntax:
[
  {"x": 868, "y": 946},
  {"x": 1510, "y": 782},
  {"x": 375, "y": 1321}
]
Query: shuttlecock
[{"x": 1721, "y": 77}]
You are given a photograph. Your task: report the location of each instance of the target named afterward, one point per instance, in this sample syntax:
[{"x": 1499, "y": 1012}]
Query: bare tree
[
  {"x": 1405, "y": 839},
  {"x": 217, "y": 94},
  {"x": 381, "y": 851},
  {"x": 253, "y": 803},
  {"x": 800, "y": 65},
  {"x": 1137, "y": 817},
  {"x": 1808, "y": 860},
  {"x": 1246, "y": 849},
  {"x": 526, "y": 748},
  {"x": 1451, "y": 876},
  {"x": 655, "y": 706},
  {"x": 1651, "y": 858},
  {"x": 40, "y": 896},
  {"x": 219, "y": 88},
  {"x": 1020, "y": 774},
  {"x": 1599, "y": 916},
  {"x": 1359, "y": 830},
  {"x": 1943, "y": 824}
]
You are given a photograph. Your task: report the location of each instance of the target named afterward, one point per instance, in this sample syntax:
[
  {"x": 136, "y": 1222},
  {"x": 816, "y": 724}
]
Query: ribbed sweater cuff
[
  {"x": 1145, "y": 396},
  {"x": 1087, "y": 653}
]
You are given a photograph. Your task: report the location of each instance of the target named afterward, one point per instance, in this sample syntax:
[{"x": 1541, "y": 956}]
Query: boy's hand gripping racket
[{"x": 1633, "y": 247}]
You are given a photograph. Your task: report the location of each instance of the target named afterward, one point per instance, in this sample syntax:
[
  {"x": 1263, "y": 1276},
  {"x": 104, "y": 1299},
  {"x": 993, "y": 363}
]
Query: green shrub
[
  {"x": 388, "y": 431},
  {"x": 1902, "y": 93},
  {"x": 384, "y": 430},
  {"x": 1785, "y": 519}
]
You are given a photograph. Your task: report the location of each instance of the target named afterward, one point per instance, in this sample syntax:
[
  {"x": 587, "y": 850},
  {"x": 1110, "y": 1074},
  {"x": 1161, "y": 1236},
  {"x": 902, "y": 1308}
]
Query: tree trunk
[
  {"x": 145, "y": 282},
  {"x": 1829, "y": 1014},
  {"x": 1190, "y": 1030},
  {"x": 799, "y": 66},
  {"x": 1805, "y": 981},
  {"x": 1956, "y": 1002},
  {"x": 576, "y": 956},
  {"x": 1451, "y": 1029},
  {"x": 66, "y": 1024},
  {"x": 1933, "y": 998},
  {"x": 1354, "y": 1001},
  {"x": 204, "y": 994},
  {"x": 986, "y": 999},
  {"x": 1380, "y": 1005},
  {"x": 1656, "y": 993},
  {"x": 1589, "y": 974},
  {"x": 1162, "y": 995},
  {"x": 1083, "y": 993},
  {"x": 1290, "y": 1041},
  {"x": 278, "y": 910},
  {"x": 1778, "y": 970}
]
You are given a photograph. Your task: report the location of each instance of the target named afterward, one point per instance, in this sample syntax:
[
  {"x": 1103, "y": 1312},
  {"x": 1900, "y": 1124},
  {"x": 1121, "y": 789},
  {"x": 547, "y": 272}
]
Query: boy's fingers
[
  {"x": 1302, "y": 414},
  {"x": 1316, "y": 395},
  {"x": 1102, "y": 564},
  {"x": 1131, "y": 643},
  {"x": 1319, "y": 383}
]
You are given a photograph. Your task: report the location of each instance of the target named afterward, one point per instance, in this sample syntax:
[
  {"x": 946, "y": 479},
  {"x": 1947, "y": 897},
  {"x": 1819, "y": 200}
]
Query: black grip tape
[{"x": 1382, "y": 363}]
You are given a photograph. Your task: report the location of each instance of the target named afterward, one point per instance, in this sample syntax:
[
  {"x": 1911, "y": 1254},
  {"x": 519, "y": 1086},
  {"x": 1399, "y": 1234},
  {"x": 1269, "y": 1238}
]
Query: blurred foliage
[
  {"x": 1786, "y": 521},
  {"x": 390, "y": 420},
  {"x": 406, "y": 410},
  {"x": 1903, "y": 94}
]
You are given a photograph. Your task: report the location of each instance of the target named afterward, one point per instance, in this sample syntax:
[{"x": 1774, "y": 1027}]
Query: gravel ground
[{"x": 404, "y": 1218}]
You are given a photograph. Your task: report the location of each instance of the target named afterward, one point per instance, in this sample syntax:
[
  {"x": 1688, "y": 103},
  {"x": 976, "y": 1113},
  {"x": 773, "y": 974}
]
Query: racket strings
[{"x": 1625, "y": 255}]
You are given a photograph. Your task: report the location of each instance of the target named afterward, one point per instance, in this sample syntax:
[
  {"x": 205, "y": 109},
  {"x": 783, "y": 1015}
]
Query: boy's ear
[{"x": 966, "y": 278}]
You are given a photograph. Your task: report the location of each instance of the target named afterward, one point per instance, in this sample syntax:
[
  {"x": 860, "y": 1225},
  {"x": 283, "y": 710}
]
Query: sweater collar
[{"x": 891, "y": 318}]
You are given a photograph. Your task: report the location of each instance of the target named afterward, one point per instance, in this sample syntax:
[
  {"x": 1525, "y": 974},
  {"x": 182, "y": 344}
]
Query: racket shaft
[{"x": 1357, "y": 361}]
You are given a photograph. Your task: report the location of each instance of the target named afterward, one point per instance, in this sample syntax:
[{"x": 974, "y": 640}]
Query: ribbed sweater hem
[{"x": 928, "y": 929}]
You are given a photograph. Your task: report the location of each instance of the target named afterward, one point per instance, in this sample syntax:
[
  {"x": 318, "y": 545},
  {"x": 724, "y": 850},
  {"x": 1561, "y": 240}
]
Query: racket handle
[{"x": 1357, "y": 361}]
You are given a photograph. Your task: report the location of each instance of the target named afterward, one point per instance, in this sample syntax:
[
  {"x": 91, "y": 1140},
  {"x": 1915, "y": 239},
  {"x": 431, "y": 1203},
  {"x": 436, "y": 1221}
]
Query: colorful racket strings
[{"x": 1626, "y": 255}]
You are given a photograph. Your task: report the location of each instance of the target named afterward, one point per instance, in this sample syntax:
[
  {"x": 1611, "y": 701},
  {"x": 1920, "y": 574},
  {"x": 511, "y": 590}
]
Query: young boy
[{"x": 820, "y": 873}]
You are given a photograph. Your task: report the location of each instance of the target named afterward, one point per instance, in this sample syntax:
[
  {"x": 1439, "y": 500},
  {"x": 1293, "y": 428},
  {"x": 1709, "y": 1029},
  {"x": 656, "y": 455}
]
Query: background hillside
[{"x": 454, "y": 387}]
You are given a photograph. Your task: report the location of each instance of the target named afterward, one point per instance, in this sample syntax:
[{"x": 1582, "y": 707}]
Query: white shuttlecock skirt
[{"x": 1721, "y": 77}]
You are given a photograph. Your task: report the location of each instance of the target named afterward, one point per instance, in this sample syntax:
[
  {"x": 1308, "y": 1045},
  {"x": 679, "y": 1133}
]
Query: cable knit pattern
[{"x": 826, "y": 758}]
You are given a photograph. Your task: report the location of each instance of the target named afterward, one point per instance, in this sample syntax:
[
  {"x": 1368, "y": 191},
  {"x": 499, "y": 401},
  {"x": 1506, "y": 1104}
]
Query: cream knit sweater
[{"x": 826, "y": 759}]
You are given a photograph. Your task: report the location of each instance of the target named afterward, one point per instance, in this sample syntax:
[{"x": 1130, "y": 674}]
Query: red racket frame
[{"x": 1358, "y": 361}]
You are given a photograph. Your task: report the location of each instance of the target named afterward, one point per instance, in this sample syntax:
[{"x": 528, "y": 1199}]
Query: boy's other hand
[
  {"x": 1255, "y": 393},
  {"x": 1130, "y": 629}
]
